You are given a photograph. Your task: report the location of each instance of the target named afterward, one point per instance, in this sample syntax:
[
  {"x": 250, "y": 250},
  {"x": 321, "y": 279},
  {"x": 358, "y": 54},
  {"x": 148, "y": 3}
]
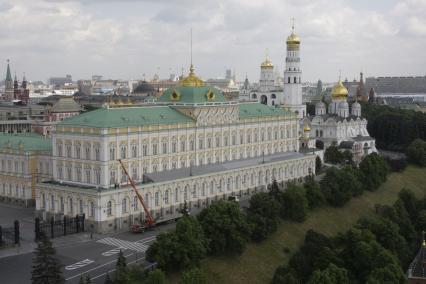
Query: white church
[
  {"x": 290, "y": 94},
  {"x": 340, "y": 124}
]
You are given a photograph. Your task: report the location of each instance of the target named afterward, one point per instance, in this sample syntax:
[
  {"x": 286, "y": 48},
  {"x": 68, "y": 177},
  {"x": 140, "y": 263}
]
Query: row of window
[
  {"x": 13, "y": 190},
  {"x": 80, "y": 152},
  {"x": 203, "y": 143},
  {"x": 84, "y": 175},
  {"x": 177, "y": 195},
  {"x": 12, "y": 166}
]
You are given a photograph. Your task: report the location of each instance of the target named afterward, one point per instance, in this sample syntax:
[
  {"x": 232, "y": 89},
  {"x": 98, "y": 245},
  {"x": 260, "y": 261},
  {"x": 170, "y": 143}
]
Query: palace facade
[{"x": 194, "y": 145}]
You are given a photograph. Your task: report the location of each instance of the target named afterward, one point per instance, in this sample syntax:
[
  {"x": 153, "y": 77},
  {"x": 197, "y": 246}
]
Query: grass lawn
[{"x": 259, "y": 261}]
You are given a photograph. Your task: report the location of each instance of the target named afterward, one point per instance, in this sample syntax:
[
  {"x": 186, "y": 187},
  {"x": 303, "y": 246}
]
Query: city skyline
[{"x": 126, "y": 39}]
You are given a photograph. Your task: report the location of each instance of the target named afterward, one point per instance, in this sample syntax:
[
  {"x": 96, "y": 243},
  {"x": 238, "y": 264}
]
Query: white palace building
[{"x": 192, "y": 146}]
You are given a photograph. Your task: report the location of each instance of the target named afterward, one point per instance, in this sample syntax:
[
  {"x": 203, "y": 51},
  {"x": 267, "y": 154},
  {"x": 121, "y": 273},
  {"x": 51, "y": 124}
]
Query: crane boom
[{"x": 149, "y": 220}]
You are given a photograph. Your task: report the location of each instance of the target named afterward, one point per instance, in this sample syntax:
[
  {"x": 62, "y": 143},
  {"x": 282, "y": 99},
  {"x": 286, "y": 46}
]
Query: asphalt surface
[{"x": 80, "y": 254}]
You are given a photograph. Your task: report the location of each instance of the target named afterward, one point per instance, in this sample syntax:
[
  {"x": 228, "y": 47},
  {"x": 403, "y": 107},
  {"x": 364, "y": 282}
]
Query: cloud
[{"x": 124, "y": 39}]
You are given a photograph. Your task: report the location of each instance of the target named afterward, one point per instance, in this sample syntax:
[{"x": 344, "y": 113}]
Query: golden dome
[
  {"x": 306, "y": 128},
  {"x": 267, "y": 64},
  {"x": 339, "y": 91},
  {"x": 192, "y": 80},
  {"x": 293, "y": 39}
]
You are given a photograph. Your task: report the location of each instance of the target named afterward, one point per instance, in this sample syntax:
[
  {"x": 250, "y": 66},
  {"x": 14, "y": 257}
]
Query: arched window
[
  {"x": 135, "y": 203},
  {"x": 166, "y": 197},
  {"x": 109, "y": 208},
  {"x": 124, "y": 206},
  {"x": 289, "y": 80},
  {"x": 81, "y": 206},
  {"x": 295, "y": 80},
  {"x": 92, "y": 209},
  {"x": 157, "y": 198},
  {"x": 71, "y": 207}
]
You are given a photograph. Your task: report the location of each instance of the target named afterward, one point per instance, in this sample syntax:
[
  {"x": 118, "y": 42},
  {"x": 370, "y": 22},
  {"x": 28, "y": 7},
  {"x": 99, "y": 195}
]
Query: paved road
[{"x": 94, "y": 257}]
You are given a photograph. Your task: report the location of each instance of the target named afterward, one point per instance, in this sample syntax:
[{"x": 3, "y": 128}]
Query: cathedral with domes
[{"x": 341, "y": 124}]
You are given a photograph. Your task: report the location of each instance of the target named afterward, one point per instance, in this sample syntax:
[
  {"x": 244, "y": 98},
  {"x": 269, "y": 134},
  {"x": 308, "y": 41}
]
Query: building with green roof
[
  {"x": 193, "y": 145},
  {"x": 25, "y": 159}
]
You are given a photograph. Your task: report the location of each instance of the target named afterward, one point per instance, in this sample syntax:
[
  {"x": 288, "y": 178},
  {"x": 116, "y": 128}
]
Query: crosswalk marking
[
  {"x": 79, "y": 264},
  {"x": 122, "y": 244}
]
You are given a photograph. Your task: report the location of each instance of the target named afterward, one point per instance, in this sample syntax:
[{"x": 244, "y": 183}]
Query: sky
[{"x": 125, "y": 39}]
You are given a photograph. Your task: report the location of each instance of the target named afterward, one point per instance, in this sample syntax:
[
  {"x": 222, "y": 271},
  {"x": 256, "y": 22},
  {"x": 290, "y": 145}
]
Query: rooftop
[
  {"x": 126, "y": 117},
  {"x": 227, "y": 166},
  {"x": 25, "y": 142}
]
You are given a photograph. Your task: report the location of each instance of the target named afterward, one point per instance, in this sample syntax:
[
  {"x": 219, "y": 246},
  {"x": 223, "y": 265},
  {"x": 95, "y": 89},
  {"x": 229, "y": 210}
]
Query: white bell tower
[{"x": 293, "y": 76}]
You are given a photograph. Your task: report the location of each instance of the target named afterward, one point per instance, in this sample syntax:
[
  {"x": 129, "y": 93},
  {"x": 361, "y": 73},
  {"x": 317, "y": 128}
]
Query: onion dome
[
  {"x": 339, "y": 91},
  {"x": 267, "y": 63},
  {"x": 306, "y": 128},
  {"x": 356, "y": 105},
  {"x": 293, "y": 39},
  {"x": 192, "y": 80}
]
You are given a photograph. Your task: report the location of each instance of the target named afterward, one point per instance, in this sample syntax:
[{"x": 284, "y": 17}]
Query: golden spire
[
  {"x": 293, "y": 40},
  {"x": 192, "y": 80}
]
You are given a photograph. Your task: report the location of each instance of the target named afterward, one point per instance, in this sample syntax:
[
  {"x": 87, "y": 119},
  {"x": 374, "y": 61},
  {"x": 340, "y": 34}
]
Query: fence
[
  {"x": 62, "y": 227},
  {"x": 10, "y": 236}
]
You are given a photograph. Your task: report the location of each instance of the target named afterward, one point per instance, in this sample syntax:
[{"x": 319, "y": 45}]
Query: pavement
[{"x": 80, "y": 254}]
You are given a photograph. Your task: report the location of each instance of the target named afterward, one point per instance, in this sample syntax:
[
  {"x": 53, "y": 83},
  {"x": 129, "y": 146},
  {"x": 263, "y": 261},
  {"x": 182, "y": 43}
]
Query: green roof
[
  {"x": 192, "y": 95},
  {"x": 25, "y": 141},
  {"x": 249, "y": 110},
  {"x": 126, "y": 117}
]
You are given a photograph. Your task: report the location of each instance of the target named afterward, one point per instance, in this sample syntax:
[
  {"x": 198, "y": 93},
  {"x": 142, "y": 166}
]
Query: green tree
[
  {"x": 295, "y": 204},
  {"x": 88, "y": 279},
  {"x": 374, "y": 171},
  {"x": 225, "y": 227},
  {"x": 121, "y": 272},
  {"x": 333, "y": 155},
  {"x": 263, "y": 215},
  {"x": 351, "y": 179},
  {"x": 318, "y": 164},
  {"x": 46, "y": 267},
  {"x": 193, "y": 276},
  {"x": 82, "y": 280},
  {"x": 155, "y": 277},
  {"x": 314, "y": 194},
  {"x": 335, "y": 188},
  {"x": 416, "y": 152},
  {"x": 182, "y": 248},
  {"x": 331, "y": 275},
  {"x": 285, "y": 275},
  {"x": 391, "y": 273}
]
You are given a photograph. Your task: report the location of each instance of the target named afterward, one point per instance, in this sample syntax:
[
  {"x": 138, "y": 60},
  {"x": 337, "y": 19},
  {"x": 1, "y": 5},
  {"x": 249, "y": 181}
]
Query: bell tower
[{"x": 293, "y": 76}]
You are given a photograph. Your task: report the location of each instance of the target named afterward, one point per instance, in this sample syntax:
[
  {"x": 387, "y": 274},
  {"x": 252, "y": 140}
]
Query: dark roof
[
  {"x": 417, "y": 268},
  {"x": 144, "y": 87}
]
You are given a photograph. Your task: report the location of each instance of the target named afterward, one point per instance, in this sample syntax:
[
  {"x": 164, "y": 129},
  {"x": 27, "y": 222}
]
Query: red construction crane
[{"x": 149, "y": 221}]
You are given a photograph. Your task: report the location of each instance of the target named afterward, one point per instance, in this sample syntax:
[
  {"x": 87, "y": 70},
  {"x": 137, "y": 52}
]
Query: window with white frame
[
  {"x": 134, "y": 151},
  {"x": 123, "y": 150}
]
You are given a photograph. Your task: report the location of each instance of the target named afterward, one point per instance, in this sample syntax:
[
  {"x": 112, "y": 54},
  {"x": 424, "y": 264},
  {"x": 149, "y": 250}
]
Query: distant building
[
  {"x": 414, "y": 87},
  {"x": 25, "y": 159},
  {"x": 60, "y": 81}
]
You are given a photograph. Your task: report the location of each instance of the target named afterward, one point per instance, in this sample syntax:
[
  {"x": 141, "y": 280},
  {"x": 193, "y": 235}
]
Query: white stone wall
[
  {"x": 165, "y": 198},
  {"x": 160, "y": 150}
]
